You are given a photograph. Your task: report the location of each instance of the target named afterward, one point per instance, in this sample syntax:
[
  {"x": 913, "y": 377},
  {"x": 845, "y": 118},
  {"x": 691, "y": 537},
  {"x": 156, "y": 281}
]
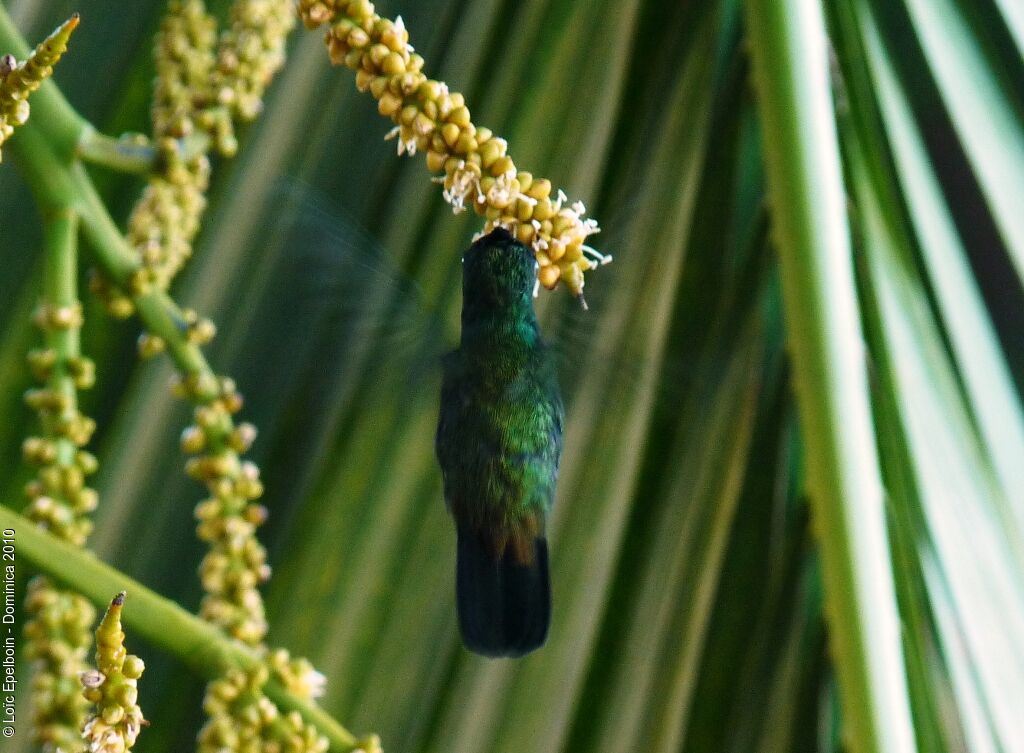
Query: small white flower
[
  {"x": 400, "y": 28},
  {"x": 405, "y": 146},
  {"x": 463, "y": 183},
  {"x": 560, "y": 198},
  {"x": 602, "y": 259},
  {"x": 314, "y": 683},
  {"x": 500, "y": 194},
  {"x": 92, "y": 678}
]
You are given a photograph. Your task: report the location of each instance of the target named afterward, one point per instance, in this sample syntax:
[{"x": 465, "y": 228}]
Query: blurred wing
[{"x": 329, "y": 318}]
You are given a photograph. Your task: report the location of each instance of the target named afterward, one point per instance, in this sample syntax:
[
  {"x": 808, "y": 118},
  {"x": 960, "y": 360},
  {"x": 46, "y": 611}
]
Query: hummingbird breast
[{"x": 499, "y": 438}]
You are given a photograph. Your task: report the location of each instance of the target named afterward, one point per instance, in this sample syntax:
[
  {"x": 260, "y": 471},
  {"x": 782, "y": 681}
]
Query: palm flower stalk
[
  {"x": 57, "y": 631},
  {"x": 241, "y": 717},
  {"x": 112, "y": 688},
  {"x": 235, "y": 565},
  {"x": 477, "y": 170},
  {"x": 166, "y": 218},
  {"x": 250, "y": 52}
]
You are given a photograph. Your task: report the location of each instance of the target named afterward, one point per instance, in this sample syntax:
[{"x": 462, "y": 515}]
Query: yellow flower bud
[
  {"x": 459, "y": 116},
  {"x": 193, "y": 440},
  {"x": 363, "y": 79},
  {"x": 543, "y": 211},
  {"x": 548, "y": 276},
  {"x": 524, "y": 233},
  {"x": 357, "y": 38},
  {"x": 503, "y": 166},
  {"x": 393, "y": 64},
  {"x": 435, "y": 160}
]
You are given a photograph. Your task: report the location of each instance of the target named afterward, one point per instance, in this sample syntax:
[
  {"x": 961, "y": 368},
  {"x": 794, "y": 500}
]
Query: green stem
[
  {"x": 133, "y": 153},
  {"x": 165, "y": 319},
  {"x": 202, "y": 647},
  {"x": 59, "y": 183},
  {"x": 125, "y": 154},
  {"x": 788, "y": 43}
]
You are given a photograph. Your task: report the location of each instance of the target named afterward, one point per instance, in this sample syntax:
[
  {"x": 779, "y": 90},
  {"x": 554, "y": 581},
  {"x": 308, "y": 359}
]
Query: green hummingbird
[{"x": 499, "y": 439}]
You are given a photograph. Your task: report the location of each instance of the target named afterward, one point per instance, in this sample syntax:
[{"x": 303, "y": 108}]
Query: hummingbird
[{"x": 499, "y": 439}]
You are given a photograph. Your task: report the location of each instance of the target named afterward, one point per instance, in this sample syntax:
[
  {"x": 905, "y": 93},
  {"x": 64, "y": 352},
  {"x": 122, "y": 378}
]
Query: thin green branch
[
  {"x": 60, "y": 183},
  {"x": 126, "y": 154},
  {"x": 789, "y": 48},
  {"x": 202, "y": 647},
  {"x": 134, "y": 153}
]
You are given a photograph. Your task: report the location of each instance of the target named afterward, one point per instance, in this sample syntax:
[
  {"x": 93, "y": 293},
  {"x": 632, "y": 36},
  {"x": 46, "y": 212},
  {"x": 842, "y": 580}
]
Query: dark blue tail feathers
[{"x": 504, "y": 603}]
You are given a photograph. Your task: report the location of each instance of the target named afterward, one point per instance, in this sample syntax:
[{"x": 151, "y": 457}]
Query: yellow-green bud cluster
[
  {"x": 184, "y": 61},
  {"x": 19, "y": 80},
  {"x": 57, "y": 633},
  {"x": 478, "y": 172},
  {"x": 166, "y": 218},
  {"x": 250, "y": 52},
  {"x": 196, "y": 90},
  {"x": 241, "y": 718},
  {"x": 57, "y": 637},
  {"x": 236, "y": 564},
  {"x": 59, "y": 499},
  {"x": 296, "y": 674},
  {"x": 114, "y": 300},
  {"x": 112, "y": 688}
]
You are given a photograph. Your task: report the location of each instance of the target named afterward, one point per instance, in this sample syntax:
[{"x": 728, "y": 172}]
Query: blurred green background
[{"x": 688, "y": 607}]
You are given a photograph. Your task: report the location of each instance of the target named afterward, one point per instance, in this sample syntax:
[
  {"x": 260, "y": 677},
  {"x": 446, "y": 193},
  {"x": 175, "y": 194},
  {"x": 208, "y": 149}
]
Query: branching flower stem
[
  {"x": 124, "y": 154},
  {"x": 49, "y": 150},
  {"x": 201, "y": 646},
  {"x": 133, "y": 153},
  {"x": 60, "y": 184}
]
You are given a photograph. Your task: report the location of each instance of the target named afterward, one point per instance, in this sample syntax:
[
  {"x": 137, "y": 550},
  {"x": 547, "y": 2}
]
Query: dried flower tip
[
  {"x": 116, "y": 720},
  {"x": 18, "y": 81}
]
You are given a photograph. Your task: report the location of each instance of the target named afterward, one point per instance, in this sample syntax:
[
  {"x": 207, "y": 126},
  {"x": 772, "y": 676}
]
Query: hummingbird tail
[{"x": 504, "y": 598}]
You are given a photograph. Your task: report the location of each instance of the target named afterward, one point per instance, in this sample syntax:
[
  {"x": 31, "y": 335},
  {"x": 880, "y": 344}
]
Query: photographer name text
[{"x": 7, "y": 680}]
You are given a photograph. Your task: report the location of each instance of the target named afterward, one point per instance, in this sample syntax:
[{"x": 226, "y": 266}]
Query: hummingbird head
[{"x": 498, "y": 272}]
